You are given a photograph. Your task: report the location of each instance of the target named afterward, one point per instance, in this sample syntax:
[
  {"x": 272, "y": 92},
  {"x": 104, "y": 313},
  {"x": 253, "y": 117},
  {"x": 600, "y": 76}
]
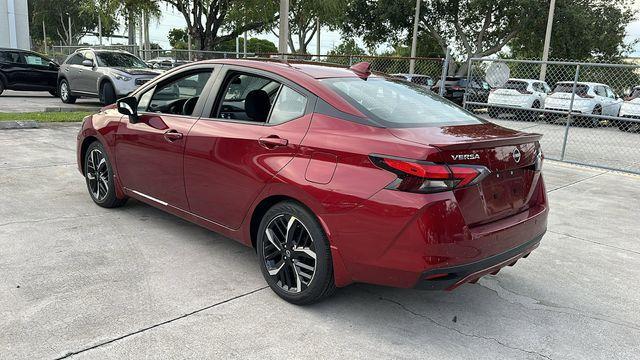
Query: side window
[
  {"x": 599, "y": 90},
  {"x": 288, "y": 106},
  {"x": 14, "y": 57},
  {"x": 180, "y": 95},
  {"x": 246, "y": 97},
  {"x": 88, "y": 55},
  {"x": 75, "y": 59},
  {"x": 546, "y": 87},
  {"x": 33, "y": 59},
  {"x": 143, "y": 102},
  {"x": 538, "y": 87},
  {"x": 610, "y": 93}
]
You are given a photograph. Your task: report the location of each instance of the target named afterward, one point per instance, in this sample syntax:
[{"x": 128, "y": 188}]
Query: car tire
[
  {"x": 533, "y": 115},
  {"x": 107, "y": 94},
  {"x": 65, "y": 92},
  {"x": 98, "y": 174},
  {"x": 285, "y": 261}
]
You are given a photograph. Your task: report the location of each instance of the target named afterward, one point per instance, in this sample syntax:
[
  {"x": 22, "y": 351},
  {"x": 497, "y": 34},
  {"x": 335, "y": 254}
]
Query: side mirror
[
  {"x": 128, "y": 106},
  {"x": 87, "y": 63}
]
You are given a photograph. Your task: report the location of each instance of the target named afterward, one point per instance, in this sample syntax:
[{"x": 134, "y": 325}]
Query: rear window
[
  {"x": 515, "y": 85},
  {"x": 393, "y": 103},
  {"x": 568, "y": 88},
  {"x": 635, "y": 93}
]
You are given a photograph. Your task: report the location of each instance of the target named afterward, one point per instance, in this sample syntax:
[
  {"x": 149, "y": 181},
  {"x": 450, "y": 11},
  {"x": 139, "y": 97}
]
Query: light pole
[
  {"x": 69, "y": 28},
  {"x": 547, "y": 40},
  {"x": 284, "y": 27},
  {"x": 416, "y": 22},
  {"x": 318, "y": 37}
]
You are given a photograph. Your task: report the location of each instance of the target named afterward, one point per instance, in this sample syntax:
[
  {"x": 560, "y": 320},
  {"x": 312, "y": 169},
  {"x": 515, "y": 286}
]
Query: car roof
[
  {"x": 303, "y": 74},
  {"x": 526, "y": 80},
  {"x": 583, "y": 83},
  {"x": 315, "y": 71}
]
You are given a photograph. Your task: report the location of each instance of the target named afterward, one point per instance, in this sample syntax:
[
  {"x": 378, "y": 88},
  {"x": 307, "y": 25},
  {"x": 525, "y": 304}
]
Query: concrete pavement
[
  {"x": 37, "y": 101},
  {"x": 80, "y": 281}
]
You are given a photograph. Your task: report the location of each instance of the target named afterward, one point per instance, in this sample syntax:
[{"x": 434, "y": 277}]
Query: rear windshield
[
  {"x": 568, "y": 88},
  {"x": 635, "y": 93},
  {"x": 515, "y": 85},
  {"x": 394, "y": 103}
]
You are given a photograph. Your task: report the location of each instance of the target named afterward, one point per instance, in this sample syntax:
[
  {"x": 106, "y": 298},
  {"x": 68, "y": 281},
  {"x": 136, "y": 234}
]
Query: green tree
[
  {"x": 582, "y": 30},
  {"x": 303, "y": 17},
  {"x": 254, "y": 45},
  {"x": 56, "y": 14},
  {"x": 178, "y": 38},
  {"x": 347, "y": 47},
  {"x": 472, "y": 28},
  {"x": 207, "y": 19}
]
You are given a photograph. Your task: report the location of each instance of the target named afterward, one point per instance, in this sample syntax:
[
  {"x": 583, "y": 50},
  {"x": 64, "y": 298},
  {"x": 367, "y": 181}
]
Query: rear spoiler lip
[{"x": 481, "y": 144}]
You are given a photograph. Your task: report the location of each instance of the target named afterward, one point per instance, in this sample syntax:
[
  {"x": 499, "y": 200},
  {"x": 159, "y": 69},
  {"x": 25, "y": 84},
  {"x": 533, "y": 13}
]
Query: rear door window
[
  {"x": 33, "y": 59},
  {"x": 288, "y": 106}
]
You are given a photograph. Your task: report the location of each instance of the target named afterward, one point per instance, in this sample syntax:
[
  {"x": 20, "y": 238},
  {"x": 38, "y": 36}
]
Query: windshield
[
  {"x": 119, "y": 59},
  {"x": 515, "y": 85},
  {"x": 396, "y": 103}
]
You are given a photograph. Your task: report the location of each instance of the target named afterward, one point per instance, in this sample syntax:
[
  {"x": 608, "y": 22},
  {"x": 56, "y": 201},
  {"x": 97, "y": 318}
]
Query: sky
[{"x": 171, "y": 18}]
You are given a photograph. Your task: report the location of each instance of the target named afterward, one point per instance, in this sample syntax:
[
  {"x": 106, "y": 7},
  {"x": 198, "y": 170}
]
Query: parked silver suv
[{"x": 105, "y": 74}]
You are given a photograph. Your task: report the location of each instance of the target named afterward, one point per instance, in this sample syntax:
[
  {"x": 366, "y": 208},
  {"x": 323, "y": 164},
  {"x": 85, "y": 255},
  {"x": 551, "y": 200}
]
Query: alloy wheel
[
  {"x": 289, "y": 253},
  {"x": 64, "y": 90},
  {"x": 97, "y": 175}
]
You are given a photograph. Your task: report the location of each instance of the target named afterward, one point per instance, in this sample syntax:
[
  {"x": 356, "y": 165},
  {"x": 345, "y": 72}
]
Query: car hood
[{"x": 138, "y": 71}]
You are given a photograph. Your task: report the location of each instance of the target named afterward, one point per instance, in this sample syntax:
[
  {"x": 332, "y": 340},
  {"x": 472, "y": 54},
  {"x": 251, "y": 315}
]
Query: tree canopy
[
  {"x": 582, "y": 30},
  {"x": 210, "y": 22}
]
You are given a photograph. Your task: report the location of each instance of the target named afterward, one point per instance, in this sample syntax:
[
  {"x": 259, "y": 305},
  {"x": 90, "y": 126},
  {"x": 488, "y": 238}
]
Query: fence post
[
  {"x": 466, "y": 88},
  {"x": 570, "y": 116},
  {"x": 445, "y": 71}
]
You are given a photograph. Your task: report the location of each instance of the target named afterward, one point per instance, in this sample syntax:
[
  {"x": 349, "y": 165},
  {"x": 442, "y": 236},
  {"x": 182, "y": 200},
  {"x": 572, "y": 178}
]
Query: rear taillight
[
  {"x": 537, "y": 166},
  {"x": 585, "y": 96},
  {"x": 524, "y": 91},
  {"x": 427, "y": 177}
]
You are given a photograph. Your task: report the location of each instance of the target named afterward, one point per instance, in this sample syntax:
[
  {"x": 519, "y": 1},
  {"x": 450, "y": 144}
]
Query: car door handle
[
  {"x": 272, "y": 141},
  {"x": 172, "y": 135}
]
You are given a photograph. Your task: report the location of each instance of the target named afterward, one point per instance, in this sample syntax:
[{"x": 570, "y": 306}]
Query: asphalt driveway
[{"x": 80, "y": 281}]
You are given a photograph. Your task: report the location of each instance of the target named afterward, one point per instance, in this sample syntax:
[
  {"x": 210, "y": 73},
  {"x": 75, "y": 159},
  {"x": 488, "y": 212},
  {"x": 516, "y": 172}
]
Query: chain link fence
[{"x": 589, "y": 113}]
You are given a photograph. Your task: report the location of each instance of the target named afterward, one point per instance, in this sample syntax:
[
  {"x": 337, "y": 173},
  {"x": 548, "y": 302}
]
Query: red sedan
[{"x": 333, "y": 175}]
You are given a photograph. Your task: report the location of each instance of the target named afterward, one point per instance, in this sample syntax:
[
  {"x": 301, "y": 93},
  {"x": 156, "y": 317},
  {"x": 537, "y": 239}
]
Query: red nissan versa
[{"x": 333, "y": 175}]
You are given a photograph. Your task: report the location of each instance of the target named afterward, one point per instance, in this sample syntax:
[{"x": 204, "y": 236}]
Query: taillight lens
[
  {"x": 426, "y": 177},
  {"x": 525, "y": 91},
  {"x": 585, "y": 96},
  {"x": 537, "y": 166}
]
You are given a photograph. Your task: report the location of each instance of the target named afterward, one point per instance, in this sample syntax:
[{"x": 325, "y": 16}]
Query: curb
[
  {"x": 71, "y": 109},
  {"x": 14, "y": 125}
]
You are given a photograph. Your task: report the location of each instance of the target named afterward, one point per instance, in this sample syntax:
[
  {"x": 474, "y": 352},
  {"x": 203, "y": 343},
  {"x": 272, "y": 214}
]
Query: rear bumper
[
  {"x": 396, "y": 239},
  {"x": 448, "y": 278}
]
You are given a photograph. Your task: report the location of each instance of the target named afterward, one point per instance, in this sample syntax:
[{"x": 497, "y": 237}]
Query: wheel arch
[
  {"x": 342, "y": 275},
  {"x": 86, "y": 142},
  {"x": 3, "y": 80}
]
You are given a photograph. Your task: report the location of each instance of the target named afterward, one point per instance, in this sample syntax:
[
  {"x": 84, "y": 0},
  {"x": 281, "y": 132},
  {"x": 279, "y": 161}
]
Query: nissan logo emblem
[{"x": 516, "y": 155}]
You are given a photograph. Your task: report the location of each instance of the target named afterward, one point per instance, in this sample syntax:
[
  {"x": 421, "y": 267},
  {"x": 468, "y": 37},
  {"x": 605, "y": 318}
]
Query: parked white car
[
  {"x": 631, "y": 109},
  {"x": 521, "y": 94},
  {"x": 591, "y": 98}
]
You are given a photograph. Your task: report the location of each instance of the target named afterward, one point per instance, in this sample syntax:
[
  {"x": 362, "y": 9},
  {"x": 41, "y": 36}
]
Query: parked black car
[
  {"x": 26, "y": 70},
  {"x": 455, "y": 86}
]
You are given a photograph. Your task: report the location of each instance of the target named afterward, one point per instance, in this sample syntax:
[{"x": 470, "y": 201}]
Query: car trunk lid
[{"x": 509, "y": 155}]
